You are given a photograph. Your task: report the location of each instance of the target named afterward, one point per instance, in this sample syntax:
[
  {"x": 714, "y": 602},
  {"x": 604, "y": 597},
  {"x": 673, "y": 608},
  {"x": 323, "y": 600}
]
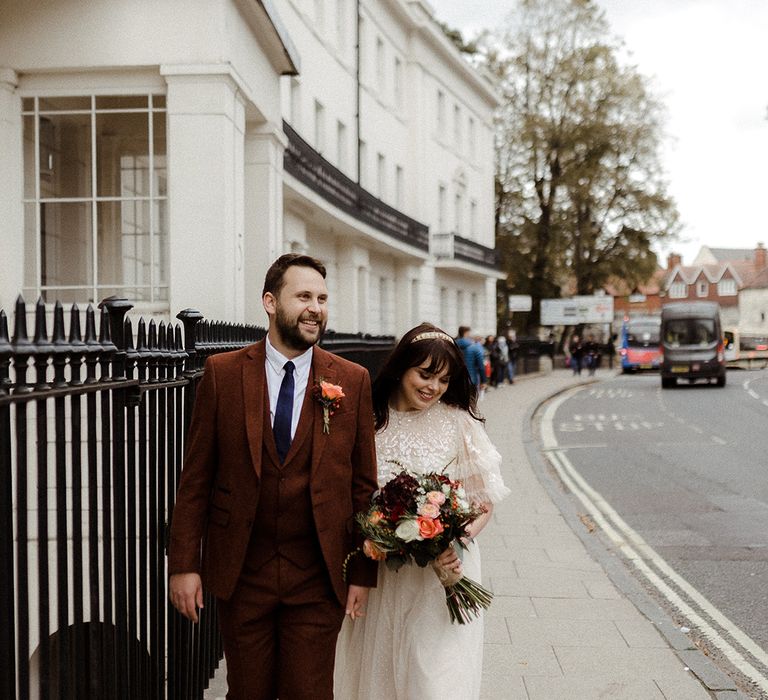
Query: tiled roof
[
  {"x": 755, "y": 279},
  {"x": 733, "y": 254}
]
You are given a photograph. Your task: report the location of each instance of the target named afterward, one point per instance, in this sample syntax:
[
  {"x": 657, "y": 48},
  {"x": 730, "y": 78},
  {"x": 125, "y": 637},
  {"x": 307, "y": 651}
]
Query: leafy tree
[{"x": 580, "y": 192}]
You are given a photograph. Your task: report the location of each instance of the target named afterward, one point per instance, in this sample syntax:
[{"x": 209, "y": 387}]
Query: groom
[{"x": 264, "y": 512}]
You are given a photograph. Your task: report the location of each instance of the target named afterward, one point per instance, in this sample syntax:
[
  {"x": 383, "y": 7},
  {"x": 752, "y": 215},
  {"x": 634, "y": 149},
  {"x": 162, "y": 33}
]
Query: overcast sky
[{"x": 709, "y": 63}]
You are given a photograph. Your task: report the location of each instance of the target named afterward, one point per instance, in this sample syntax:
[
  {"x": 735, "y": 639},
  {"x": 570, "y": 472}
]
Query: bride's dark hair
[{"x": 425, "y": 342}]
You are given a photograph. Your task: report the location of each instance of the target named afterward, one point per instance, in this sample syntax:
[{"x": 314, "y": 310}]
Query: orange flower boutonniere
[{"x": 329, "y": 396}]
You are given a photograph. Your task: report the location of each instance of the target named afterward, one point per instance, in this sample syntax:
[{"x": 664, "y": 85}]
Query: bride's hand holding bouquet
[{"x": 423, "y": 519}]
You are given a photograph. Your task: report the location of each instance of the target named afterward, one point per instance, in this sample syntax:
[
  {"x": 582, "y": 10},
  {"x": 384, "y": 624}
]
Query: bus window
[{"x": 639, "y": 344}]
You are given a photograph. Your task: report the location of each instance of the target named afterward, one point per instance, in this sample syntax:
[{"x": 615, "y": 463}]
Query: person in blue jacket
[{"x": 473, "y": 356}]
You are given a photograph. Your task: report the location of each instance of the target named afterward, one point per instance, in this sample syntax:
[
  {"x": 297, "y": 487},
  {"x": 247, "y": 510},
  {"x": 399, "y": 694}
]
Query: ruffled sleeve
[{"x": 479, "y": 462}]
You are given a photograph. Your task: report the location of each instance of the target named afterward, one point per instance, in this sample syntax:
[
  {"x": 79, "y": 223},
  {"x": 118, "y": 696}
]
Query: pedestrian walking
[
  {"x": 502, "y": 369},
  {"x": 474, "y": 358},
  {"x": 591, "y": 354},
  {"x": 514, "y": 349},
  {"x": 575, "y": 351},
  {"x": 280, "y": 457},
  {"x": 406, "y": 647},
  {"x": 493, "y": 360}
]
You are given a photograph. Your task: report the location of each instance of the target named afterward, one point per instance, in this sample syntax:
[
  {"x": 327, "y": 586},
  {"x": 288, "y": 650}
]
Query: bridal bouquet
[{"x": 415, "y": 517}]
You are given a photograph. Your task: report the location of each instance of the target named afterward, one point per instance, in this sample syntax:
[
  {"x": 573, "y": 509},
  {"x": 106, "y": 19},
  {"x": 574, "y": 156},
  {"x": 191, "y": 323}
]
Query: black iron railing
[
  {"x": 307, "y": 165},
  {"x": 454, "y": 247},
  {"x": 92, "y": 433}
]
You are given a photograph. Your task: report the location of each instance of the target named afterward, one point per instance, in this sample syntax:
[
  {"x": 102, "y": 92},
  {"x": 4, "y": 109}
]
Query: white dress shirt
[{"x": 273, "y": 367}]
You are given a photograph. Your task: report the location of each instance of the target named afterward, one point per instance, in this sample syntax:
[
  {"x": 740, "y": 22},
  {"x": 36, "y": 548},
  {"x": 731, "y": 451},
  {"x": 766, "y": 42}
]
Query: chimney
[
  {"x": 760, "y": 261},
  {"x": 673, "y": 260}
]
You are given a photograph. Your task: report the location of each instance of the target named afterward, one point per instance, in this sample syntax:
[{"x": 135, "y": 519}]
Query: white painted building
[{"x": 169, "y": 151}]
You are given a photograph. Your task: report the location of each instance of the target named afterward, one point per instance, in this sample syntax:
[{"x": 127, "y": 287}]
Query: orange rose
[
  {"x": 331, "y": 391},
  {"x": 373, "y": 552},
  {"x": 429, "y": 528}
]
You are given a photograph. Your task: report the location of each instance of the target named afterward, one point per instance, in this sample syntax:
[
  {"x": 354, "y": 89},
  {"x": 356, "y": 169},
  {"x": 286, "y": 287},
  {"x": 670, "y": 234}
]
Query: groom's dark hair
[{"x": 274, "y": 279}]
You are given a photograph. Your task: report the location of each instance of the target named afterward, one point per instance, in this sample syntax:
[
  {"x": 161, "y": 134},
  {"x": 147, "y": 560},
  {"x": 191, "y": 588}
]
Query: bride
[{"x": 406, "y": 646}]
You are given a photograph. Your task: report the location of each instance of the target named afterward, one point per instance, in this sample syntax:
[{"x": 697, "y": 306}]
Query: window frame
[
  {"x": 157, "y": 289},
  {"x": 727, "y": 287},
  {"x": 678, "y": 290}
]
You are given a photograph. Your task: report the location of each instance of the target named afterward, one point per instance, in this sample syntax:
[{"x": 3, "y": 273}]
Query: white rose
[{"x": 408, "y": 530}]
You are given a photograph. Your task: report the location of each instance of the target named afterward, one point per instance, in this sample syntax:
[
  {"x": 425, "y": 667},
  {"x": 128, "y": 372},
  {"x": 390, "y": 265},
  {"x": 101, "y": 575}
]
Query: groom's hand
[
  {"x": 357, "y": 597},
  {"x": 186, "y": 594}
]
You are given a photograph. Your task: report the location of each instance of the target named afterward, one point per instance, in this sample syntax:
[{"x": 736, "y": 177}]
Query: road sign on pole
[{"x": 580, "y": 309}]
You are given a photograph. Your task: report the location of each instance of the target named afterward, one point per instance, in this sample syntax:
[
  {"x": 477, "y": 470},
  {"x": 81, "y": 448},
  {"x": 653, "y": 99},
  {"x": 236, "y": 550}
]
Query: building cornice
[
  {"x": 267, "y": 27},
  {"x": 425, "y": 25}
]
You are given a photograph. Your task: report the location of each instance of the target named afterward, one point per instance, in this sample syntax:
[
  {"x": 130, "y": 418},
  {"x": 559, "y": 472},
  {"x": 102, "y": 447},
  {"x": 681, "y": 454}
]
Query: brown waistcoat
[{"x": 284, "y": 523}]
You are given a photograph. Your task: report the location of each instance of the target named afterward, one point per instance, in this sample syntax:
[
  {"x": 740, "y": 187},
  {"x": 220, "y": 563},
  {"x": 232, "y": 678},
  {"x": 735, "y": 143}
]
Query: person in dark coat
[{"x": 576, "y": 352}]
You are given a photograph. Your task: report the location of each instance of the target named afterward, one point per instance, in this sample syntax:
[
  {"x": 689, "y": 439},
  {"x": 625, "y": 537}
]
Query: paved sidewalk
[{"x": 558, "y": 628}]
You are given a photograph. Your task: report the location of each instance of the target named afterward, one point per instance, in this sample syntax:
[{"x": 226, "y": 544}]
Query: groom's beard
[{"x": 292, "y": 334}]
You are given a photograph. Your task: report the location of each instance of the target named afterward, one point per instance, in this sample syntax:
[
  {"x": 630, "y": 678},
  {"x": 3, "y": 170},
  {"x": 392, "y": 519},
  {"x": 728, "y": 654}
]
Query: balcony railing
[
  {"x": 307, "y": 165},
  {"x": 454, "y": 247}
]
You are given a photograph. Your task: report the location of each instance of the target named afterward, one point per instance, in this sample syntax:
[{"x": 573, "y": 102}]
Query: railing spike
[
  {"x": 141, "y": 336},
  {"x": 5, "y": 356},
  {"x": 5, "y": 342},
  {"x": 59, "y": 336},
  {"x": 152, "y": 340},
  {"x": 41, "y": 325},
  {"x": 75, "y": 335},
  {"x": 20, "y": 336},
  {"x": 105, "y": 330},
  {"x": 128, "y": 331},
  {"x": 90, "y": 326}
]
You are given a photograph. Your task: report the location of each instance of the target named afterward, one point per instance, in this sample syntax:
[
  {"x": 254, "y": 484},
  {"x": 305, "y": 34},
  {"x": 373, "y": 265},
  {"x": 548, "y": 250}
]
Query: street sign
[
  {"x": 581, "y": 309},
  {"x": 520, "y": 302}
]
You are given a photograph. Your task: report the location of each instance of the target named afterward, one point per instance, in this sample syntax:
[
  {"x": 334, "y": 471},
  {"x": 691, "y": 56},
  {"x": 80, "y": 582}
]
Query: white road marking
[
  {"x": 643, "y": 557},
  {"x": 753, "y": 394}
]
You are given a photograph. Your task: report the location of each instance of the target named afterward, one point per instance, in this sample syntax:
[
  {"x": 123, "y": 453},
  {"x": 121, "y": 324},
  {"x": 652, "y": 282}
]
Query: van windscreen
[{"x": 689, "y": 331}]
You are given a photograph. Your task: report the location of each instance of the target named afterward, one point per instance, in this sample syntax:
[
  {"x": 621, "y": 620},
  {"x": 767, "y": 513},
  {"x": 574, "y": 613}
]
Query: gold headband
[{"x": 432, "y": 335}]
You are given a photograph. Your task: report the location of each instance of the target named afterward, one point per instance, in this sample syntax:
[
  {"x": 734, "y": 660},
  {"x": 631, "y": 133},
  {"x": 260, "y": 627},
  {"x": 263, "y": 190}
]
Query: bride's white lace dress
[{"x": 406, "y": 647}]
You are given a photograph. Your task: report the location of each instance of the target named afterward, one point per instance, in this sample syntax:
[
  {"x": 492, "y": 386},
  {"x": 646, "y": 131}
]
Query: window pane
[
  {"x": 28, "y": 104},
  {"x": 122, "y": 148},
  {"x": 29, "y": 157},
  {"x": 158, "y": 101},
  {"x": 30, "y": 246},
  {"x": 64, "y": 103},
  {"x": 160, "y": 180},
  {"x": 123, "y": 243},
  {"x": 65, "y": 155},
  {"x": 160, "y": 242},
  {"x": 65, "y": 242},
  {"x": 122, "y": 102}
]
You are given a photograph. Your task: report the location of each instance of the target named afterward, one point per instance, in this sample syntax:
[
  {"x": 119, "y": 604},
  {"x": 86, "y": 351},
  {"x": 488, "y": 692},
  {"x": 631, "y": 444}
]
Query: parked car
[{"x": 691, "y": 343}]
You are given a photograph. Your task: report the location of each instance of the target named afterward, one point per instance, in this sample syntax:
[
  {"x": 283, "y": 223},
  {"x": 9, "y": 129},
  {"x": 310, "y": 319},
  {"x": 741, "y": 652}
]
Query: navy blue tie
[{"x": 284, "y": 413}]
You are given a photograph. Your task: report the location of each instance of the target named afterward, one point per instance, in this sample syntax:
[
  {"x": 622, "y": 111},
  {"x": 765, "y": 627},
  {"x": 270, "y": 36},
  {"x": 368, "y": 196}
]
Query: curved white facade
[{"x": 143, "y": 153}]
